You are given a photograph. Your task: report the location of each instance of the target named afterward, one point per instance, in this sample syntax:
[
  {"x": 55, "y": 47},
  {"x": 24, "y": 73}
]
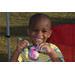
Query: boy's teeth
[{"x": 37, "y": 39}]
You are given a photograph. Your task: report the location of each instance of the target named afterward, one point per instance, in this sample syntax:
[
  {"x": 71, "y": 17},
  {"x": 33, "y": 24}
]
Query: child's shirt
[{"x": 23, "y": 57}]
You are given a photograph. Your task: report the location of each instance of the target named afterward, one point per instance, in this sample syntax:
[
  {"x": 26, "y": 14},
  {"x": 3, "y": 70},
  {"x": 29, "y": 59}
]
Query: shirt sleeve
[
  {"x": 20, "y": 58},
  {"x": 57, "y": 50},
  {"x": 23, "y": 55}
]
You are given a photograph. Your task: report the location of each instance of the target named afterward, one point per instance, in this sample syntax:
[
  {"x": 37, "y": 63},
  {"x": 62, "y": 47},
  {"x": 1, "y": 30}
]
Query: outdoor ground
[{"x": 19, "y": 21}]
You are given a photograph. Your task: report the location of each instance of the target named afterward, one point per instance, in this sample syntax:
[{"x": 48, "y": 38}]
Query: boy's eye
[
  {"x": 34, "y": 30},
  {"x": 44, "y": 31}
]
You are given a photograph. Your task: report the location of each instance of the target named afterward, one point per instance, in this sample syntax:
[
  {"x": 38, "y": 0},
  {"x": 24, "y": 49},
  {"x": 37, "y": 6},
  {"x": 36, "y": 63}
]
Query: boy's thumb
[{"x": 27, "y": 43}]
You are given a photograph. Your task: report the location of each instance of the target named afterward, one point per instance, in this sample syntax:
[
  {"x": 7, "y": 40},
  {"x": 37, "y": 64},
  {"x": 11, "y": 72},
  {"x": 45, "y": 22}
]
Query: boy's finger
[
  {"x": 23, "y": 40},
  {"x": 41, "y": 46},
  {"x": 27, "y": 43}
]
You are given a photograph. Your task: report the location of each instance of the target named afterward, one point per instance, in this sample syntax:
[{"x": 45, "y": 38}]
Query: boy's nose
[{"x": 39, "y": 34}]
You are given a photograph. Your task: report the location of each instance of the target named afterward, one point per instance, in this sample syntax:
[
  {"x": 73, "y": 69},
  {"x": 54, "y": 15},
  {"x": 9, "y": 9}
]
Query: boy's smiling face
[{"x": 39, "y": 31}]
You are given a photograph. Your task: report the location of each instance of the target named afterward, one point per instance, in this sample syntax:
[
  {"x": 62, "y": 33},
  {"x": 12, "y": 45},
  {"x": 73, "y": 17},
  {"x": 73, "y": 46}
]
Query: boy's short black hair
[{"x": 38, "y": 15}]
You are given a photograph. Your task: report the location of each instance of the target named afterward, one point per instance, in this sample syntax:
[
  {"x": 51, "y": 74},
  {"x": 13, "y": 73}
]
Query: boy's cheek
[{"x": 33, "y": 33}]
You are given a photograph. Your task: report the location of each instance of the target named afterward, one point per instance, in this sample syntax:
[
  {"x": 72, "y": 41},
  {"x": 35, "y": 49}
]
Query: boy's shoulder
[{"x": 53, "y": 46}]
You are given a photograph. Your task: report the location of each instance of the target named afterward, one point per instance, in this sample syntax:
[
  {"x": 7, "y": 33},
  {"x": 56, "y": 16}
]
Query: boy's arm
[
  {"x": 54, "y": 56},
  {"x": 20, "y": 46},
  {"x": 15, "y": 56}
]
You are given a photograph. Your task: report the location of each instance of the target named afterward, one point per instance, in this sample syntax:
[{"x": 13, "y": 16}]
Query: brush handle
[
  {"x": 43, "y": 50},
  {"x": 20, "y": 39}
]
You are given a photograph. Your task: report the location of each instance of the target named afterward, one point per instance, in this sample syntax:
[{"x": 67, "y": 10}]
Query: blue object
[{"x": 37, "y": 49}]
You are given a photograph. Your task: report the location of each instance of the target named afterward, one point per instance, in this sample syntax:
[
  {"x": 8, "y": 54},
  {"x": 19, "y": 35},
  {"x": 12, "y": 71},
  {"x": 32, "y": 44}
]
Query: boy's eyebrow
[
  {"x": 33, "y": 27},
  {"x": 46, "y": 28}
]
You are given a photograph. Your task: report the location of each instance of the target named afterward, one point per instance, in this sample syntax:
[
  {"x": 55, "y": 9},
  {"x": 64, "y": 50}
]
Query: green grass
[{"x": 19, "y": 21}]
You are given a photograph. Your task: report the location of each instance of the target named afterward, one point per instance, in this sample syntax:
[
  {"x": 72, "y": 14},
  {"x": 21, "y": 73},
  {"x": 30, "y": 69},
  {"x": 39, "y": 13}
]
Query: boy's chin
[{"x": 36, "y": 44}]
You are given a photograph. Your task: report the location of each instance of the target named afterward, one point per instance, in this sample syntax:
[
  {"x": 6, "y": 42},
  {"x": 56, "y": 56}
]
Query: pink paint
[{"x": 33, "y": 54}]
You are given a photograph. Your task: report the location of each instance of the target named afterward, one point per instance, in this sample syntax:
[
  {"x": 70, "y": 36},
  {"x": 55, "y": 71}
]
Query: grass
[{"x": 19, "y": 21}]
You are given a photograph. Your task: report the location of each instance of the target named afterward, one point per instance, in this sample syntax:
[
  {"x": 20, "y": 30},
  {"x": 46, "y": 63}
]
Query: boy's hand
[
  {"x": 44, "y": 45},
  {"x": 21, "y": 45}
]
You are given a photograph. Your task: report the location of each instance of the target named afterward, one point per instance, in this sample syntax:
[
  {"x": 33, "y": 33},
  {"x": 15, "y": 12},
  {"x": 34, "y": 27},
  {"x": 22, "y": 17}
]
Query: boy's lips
[{"x": 38, "y": 39}]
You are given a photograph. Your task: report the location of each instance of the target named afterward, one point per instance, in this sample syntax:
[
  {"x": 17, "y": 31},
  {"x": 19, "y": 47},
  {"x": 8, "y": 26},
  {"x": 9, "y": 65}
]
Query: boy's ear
[
  {"x": 28, "y": 31},
  {"x": 50, "y": 32}
]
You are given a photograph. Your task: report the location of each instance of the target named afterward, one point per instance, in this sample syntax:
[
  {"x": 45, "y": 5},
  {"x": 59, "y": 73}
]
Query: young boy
[{"x": 39, "y": 31}]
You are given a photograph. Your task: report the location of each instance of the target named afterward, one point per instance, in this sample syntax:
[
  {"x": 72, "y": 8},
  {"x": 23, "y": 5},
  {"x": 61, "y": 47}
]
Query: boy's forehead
[{"x": 41, "y": 20}]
